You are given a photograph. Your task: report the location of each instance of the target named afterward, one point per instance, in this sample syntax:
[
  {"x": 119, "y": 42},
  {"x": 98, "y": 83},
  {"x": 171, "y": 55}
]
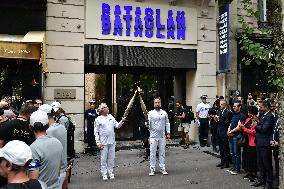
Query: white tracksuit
[
  {"x": 104, "y": 134},
  {"x": 158, "y": 124}
]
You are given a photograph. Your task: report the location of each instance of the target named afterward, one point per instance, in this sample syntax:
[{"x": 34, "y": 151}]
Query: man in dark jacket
[
  {"x": 223, "y": 120},
  {"x": 264, "y": 132}
]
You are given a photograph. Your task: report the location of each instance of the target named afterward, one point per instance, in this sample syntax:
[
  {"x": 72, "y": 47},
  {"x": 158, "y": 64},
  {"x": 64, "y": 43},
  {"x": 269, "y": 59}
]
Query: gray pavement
[{"x": 188, "y": 168}]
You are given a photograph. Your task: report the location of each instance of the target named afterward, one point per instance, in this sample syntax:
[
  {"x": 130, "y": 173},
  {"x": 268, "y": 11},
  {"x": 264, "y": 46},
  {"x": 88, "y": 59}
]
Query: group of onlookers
[
  {"x": 247, "y": 136},
  {"x": 33, "y": 146}
]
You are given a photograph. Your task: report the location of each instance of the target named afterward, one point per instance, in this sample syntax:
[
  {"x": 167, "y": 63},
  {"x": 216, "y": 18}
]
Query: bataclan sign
[
  {"x": 140, "y": 22},
  {"x": 175, "y": 27}
]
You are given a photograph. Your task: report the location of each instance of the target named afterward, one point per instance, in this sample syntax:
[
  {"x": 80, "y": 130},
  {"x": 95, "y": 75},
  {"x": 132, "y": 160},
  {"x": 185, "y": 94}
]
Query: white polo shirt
[{"x": 203, "y": 109}]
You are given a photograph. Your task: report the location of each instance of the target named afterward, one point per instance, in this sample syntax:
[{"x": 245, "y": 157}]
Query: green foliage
[{"x": 272, "y": 55}]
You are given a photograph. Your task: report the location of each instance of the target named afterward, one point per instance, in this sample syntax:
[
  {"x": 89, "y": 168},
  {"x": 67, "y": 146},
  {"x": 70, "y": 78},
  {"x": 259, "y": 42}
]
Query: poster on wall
[{"x": 224, "y": 33}]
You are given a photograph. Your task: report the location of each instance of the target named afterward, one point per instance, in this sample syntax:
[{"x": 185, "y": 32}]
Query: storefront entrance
[
  {"x": 20, "y": 78},
  {"x": 112, "y": 71}
]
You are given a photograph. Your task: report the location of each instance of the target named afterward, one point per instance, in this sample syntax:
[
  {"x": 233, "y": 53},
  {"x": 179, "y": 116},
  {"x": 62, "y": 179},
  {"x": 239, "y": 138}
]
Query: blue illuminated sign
[{"x": 145, "y": 22}]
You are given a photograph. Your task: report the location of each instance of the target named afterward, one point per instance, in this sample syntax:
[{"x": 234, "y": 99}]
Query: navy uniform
[
  {"x": 90, "y": 116},
  {"x": 202, "y": 110}
]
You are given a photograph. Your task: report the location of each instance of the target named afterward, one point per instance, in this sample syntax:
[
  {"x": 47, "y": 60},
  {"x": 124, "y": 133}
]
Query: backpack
[
  {"x": 71, "y": 126},
  {"x": 189, "y": 115}
]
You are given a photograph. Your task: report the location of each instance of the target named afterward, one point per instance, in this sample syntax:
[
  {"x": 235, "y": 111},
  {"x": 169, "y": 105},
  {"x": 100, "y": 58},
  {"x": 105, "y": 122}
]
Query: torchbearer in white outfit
[
  {"x": 158, "y": 126},
  {"x": 105, "y": 138}
]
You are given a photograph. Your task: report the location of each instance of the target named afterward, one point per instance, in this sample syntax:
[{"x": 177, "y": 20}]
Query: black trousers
[
  {"x": 224, "y": 149},
  {"x": 214, "y": 133},
  {"x": 276, "y": 160},
  {"x": 264, "y": 162},
  {"x": 203, "y": 131},
  {"x": 90, "y": 136}
]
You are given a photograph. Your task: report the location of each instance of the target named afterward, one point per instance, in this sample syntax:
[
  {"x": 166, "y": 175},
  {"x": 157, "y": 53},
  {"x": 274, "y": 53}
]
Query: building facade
[{"x": 79, "y": 35}]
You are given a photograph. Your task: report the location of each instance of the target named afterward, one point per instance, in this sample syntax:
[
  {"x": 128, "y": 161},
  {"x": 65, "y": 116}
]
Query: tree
[{"x": 272, "y": 55}]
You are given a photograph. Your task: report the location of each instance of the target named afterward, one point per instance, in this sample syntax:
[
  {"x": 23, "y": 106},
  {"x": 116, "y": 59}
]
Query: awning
[
  {"x": 29, "y": 46},
  {"x": 133, "y": 56}
]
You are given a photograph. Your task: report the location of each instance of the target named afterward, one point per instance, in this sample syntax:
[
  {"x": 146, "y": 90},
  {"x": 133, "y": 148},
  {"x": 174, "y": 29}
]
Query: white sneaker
[
  {"x": 105, "y": 177},
  {"x": 164, "y": 172},
  {"x": 152, "y": 172},
  {"x": 111, "y": 176}
]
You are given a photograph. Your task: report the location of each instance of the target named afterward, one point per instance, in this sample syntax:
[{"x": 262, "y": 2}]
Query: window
[{"x": 262, "y": 8}]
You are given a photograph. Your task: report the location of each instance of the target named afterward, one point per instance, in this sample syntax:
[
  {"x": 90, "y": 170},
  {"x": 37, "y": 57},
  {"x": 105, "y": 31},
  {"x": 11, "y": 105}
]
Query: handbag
[{"x": 242, "y": 141}]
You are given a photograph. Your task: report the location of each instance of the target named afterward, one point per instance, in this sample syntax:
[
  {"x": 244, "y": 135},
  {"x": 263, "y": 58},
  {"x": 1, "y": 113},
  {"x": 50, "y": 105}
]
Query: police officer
[
  {"x": 203, "y": 120},
  {"x": 90, "y": 116}
]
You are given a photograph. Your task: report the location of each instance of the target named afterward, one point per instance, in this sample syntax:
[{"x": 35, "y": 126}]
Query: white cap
[
  {"x": 46, "y": 108},
  {"x": 92, "y": 101},
  {"x": 16, "y": 152},
  {"x": 55, "y": 106},
  {"x": 39, "y": 116}
]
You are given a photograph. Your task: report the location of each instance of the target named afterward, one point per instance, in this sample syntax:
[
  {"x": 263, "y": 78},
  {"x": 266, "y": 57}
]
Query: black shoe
[
  {"x": 258, "y": 183},
  {"x": 225, "y": 166},
  {"x": 252, "y": 179},
  {"x": 247, "y": 177},
  {"x": 208, "y": 145},
  {"x": 181, "y": 142},
  {"x": 186, "y": 146},
  {"x": 220, "y": 164},
  {"x": 267, "y": 187}
]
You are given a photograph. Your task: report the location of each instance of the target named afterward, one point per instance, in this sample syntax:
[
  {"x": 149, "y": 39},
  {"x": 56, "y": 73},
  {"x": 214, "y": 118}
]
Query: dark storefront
[
  {"x": 20, "y": 74},
  {"x": 254, "y": 78},
  {"x": 155, "y": 68}
]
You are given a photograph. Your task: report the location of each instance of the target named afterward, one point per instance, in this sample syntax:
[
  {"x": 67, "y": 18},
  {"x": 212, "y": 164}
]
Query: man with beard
[{"x": 158, "y": 126}]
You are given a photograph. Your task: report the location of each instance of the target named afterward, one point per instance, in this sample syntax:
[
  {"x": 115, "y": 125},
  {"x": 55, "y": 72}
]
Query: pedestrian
[
  {"x": 234, "y": 136},
  {"x": 105, "y": 139},
  {"x": 18, "y": 129},
  {"x": 203, "y": 120},
  {"x": 244, "y": 108},
  {"x": 60, "y": 114},
  {"x": 58, "y": 131},
  {"x": 223, "y": 120},
  {"x": 3, "y": 118},
  {"x": 264, "y": 131},
  {"x": 47, "y": 151},
  {"x": 159, "y": 126},
  {"x": 61, "y": 118},
  {"x": 90, "y": 116},
  {"x": 249, "y": 159},
  {"x": 184, "y": 124},
  {"x": 37, "y": 103},
  {"x": 15, "y": 157}
]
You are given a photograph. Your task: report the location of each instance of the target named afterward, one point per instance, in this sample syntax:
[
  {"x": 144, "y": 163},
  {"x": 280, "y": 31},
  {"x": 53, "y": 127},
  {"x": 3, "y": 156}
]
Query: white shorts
[{"x": 184, "y": 127}]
